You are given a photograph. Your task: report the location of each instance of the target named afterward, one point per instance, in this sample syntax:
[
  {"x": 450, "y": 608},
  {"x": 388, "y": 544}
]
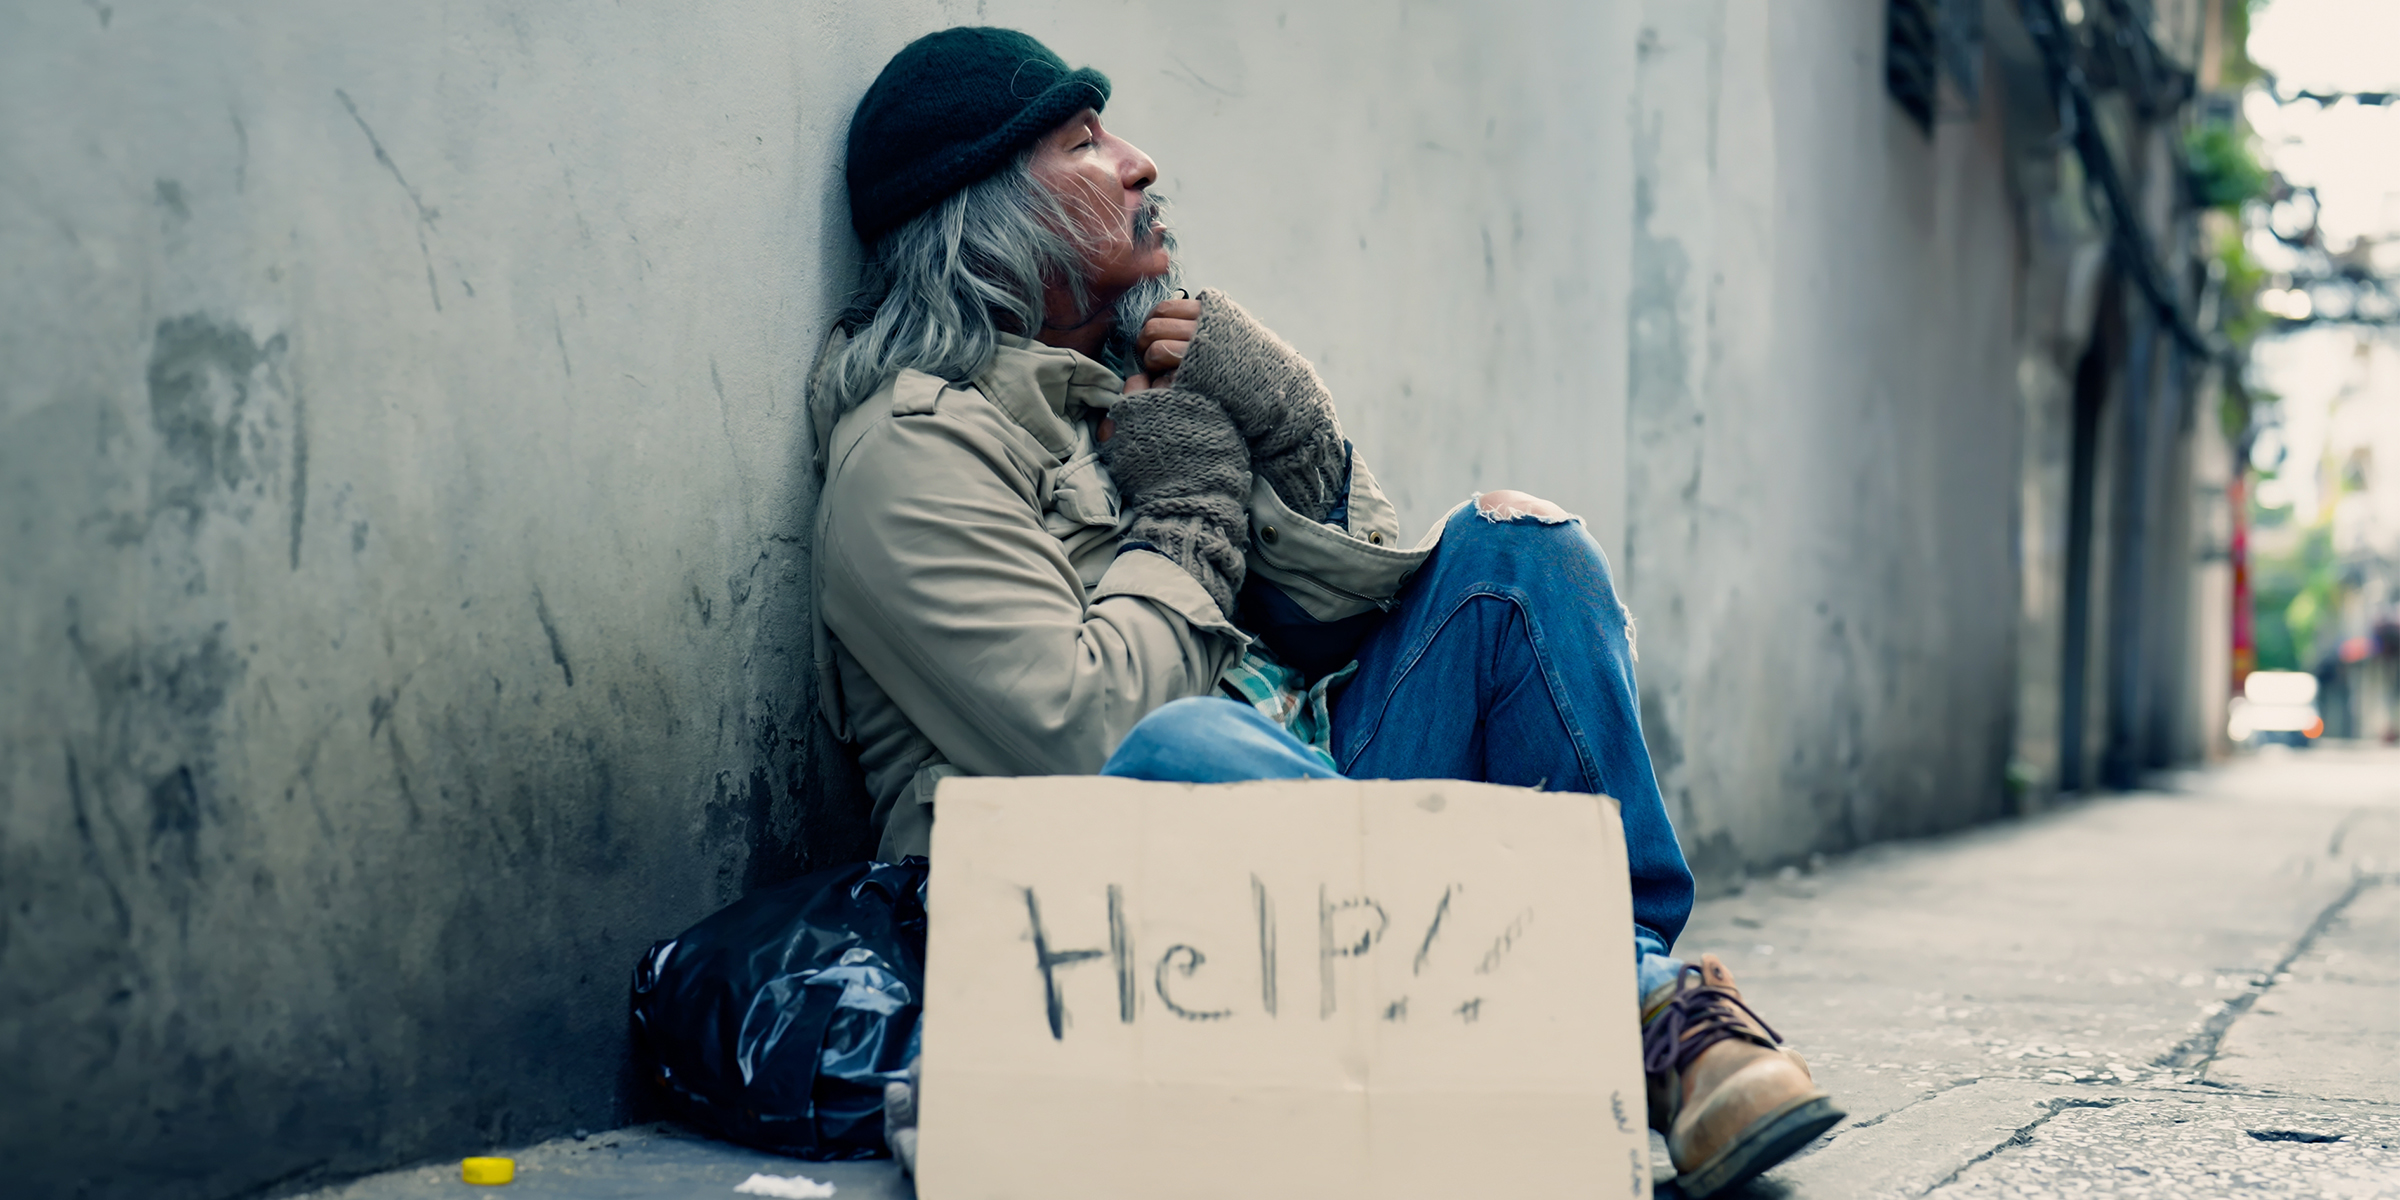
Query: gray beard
[{"x": 1133, "y": 308}]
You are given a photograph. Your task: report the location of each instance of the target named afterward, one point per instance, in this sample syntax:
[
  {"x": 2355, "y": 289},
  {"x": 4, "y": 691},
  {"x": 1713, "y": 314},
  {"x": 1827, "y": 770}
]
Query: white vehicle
[{"x": 2276, "y": 707}]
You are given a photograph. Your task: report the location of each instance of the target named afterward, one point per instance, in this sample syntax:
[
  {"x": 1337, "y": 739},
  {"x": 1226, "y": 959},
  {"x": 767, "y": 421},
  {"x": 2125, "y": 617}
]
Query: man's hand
[
  {"x": 1275, "y": 398},
  {"x": 1163, "y": 341},
  {"x": 1159, "y": 348},
  {"x": 1183, "y": 474}
]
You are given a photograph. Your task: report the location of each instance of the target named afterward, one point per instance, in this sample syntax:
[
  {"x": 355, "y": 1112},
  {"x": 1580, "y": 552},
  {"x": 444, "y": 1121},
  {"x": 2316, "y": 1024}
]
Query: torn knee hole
[{"x": 1503, "y": 507}]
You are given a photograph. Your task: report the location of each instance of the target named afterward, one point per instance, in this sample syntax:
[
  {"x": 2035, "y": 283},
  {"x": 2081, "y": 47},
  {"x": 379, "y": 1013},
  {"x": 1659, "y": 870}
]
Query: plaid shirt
[{"x": 1288, "y": 699}]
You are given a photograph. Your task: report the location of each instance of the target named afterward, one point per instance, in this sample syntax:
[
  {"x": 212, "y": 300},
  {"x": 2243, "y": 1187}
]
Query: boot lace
[{"x": 1696, "y": 1019}]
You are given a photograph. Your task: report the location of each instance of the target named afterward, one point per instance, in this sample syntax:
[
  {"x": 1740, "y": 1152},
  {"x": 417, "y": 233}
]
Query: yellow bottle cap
[{"x": 490, "y": 1171}]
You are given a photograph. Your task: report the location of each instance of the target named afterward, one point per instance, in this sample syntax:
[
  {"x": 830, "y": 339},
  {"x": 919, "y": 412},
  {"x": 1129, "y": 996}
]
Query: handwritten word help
[{"x": 1449, "y": 969}]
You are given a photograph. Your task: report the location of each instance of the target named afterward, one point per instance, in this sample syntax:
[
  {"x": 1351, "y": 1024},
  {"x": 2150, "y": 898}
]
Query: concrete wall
[
  {"x": 1823, "y": 437},
  {"x": 403, "y": 502}
]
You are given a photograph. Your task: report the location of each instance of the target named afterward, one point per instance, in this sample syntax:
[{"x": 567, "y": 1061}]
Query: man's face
[{"x": 1103, "y": 182}]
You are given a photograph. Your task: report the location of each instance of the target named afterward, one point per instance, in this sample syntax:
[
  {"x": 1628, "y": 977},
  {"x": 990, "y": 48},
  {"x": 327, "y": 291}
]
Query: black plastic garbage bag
[{"x": 777, "y": 1021}]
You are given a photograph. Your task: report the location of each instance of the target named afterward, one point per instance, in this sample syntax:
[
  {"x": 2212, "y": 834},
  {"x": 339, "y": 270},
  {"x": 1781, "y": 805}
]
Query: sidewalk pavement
[{"x": 2193, "y": 991}]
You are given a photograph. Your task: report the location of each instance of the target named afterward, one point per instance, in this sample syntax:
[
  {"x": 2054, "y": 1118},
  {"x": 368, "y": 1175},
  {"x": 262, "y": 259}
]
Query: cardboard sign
[{"x": 1307, "y": 989}]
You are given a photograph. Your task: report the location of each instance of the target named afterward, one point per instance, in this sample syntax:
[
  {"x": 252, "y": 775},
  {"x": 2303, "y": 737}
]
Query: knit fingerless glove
[
  {"x": 1282, "y": 409},
  {"x": 1183, "y": 473}
]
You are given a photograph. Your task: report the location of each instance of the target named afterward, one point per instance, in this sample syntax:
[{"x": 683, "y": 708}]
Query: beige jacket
[{"x": 974, "y": 616}]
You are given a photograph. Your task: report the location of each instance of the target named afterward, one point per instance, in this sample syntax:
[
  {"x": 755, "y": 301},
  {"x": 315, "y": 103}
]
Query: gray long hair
[{"x": 936, "y": 294}]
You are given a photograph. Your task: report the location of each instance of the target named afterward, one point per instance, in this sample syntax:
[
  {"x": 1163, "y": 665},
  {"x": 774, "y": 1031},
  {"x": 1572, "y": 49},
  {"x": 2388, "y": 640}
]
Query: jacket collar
[{"x": 1048, "y": 390}]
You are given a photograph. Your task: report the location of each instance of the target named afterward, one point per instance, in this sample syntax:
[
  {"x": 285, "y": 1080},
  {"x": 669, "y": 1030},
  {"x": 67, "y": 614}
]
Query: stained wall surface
[
  {"x": 1823, "y": 438},
  {"x": 404, "y": 504}
]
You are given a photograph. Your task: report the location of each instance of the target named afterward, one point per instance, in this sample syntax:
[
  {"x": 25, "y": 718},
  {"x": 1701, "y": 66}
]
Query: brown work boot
[{"x": 1730, "y": 1099}]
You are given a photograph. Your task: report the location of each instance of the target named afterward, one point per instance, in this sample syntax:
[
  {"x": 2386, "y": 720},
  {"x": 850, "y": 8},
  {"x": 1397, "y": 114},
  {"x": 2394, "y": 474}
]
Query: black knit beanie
[{"x": 949, "y": 109}]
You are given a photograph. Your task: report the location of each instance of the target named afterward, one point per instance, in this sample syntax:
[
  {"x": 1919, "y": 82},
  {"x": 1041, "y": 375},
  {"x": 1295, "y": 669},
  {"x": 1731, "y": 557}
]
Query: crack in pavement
[
  {"x": 1829, "y": 1138},
  {"x": 2200, "y": 1049},
  {"x": 2176, "y": 1148},
  {"x": 2214, "y": 1090},
  {"x": 2194, "y": 1053},
  {"x": 2023, "y": 1136}
]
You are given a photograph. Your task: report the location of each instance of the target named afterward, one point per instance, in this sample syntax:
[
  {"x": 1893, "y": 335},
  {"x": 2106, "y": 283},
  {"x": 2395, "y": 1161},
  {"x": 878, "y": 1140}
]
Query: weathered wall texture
[
  {"x": 403, "y": 497},
  {"x": 1823, "y": 438}
]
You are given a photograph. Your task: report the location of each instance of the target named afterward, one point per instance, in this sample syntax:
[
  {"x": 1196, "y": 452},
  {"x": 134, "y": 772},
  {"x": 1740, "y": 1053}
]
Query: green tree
[{"x": 2293, "y": 594}]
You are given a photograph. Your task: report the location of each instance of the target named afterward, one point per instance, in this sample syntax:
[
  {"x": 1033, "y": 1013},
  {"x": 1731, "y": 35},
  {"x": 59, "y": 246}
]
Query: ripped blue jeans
[{"x": 1506, "y": 660}]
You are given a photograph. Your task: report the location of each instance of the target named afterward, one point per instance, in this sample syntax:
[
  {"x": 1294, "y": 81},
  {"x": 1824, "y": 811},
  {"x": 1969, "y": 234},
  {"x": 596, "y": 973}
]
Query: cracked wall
[{"x": 403, "y": 506}]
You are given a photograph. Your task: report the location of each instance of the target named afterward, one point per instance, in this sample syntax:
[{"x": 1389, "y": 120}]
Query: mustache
[{"x": 1151, "y": 218}]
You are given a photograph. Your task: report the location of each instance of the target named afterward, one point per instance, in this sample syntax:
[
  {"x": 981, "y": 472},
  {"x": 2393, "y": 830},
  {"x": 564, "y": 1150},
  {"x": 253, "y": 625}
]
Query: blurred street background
[{"x": 1991, "y": 409}]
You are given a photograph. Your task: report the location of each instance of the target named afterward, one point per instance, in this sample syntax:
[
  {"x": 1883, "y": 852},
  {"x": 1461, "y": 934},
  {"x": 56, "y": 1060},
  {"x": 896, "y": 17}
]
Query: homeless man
[{"x": 1073, "y": 525}]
